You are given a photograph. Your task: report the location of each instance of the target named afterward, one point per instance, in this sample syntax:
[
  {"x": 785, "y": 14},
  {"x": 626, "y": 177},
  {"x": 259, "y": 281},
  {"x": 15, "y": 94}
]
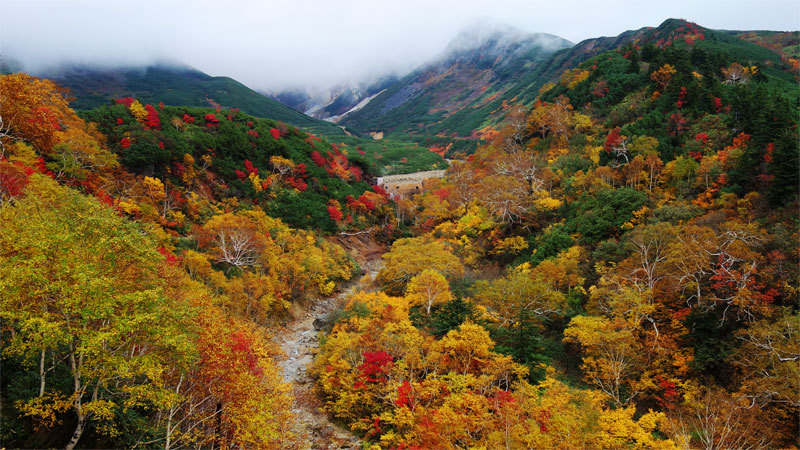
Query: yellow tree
[
  {"x": 429, "y": 288},
  {"x": 411, "y": 256},
  {"x": 613, "y": 359},
  {"x": 520, "y": 293},
  {"x": 82, "y": 284}
]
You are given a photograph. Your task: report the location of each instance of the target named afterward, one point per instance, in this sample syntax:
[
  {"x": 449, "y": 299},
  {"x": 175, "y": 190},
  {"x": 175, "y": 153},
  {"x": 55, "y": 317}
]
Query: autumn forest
[{"x": 610, "y": 260}]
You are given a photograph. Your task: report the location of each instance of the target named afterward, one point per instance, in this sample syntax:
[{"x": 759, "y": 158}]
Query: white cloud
[{"x": 281, "y": 43}]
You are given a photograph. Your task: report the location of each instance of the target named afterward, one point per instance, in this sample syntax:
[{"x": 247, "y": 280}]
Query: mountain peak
[{"x": 500, "y": 38}]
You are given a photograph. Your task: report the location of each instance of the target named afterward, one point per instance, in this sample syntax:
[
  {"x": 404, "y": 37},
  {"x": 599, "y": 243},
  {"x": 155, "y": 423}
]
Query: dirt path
[{"x": 299, "y": 342}]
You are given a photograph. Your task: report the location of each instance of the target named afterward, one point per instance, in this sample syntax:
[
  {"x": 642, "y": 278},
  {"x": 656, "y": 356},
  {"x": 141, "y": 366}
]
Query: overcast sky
[{"x": 276, "y": 44}]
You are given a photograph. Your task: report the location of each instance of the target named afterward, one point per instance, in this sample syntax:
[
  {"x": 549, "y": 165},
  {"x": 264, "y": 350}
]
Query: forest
[{"x": 614, "y": 265}]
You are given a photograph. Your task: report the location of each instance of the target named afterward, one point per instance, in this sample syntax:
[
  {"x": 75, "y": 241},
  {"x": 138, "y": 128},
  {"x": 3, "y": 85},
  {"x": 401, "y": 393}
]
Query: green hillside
[
  {"x": 179, "y": 86},
  {"x": 459, "y": 92},
  {"x": 432, "y": 112}
]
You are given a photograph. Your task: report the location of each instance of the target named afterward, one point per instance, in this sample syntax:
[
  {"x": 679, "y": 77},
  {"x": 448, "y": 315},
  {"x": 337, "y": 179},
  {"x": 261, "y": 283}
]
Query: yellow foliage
[
  {"x": 572, "y": 77},
  {"x": 138, "y": 111},
  {"x": 510, "y": 245},
  {"x": 154, "y": 188}
]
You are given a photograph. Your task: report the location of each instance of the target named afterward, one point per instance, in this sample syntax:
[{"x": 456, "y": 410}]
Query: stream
[{"x": 299, "y": 341}]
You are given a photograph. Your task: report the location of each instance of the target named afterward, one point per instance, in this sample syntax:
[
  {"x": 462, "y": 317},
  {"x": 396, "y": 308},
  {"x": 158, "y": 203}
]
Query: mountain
[
  {"x": 457, "y": 90},
  {"x": 176, "y": 85},
  {"x": 334, "y": 103},
  {"x": 482, "y": 71}
]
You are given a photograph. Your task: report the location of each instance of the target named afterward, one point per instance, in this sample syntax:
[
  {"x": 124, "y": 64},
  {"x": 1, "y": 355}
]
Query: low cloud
[{"x": 302, "y": 43}]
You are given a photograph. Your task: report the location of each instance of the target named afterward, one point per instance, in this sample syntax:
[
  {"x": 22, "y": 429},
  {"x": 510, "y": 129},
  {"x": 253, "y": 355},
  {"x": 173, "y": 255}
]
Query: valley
[{"x": 521, "y": 243}]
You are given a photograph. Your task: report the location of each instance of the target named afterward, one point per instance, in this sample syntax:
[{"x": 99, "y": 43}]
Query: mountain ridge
[{"x": 175, "y": 84}]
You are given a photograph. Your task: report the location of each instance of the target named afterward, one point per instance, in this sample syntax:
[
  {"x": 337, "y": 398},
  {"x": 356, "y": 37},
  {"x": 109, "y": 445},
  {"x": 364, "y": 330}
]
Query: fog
[{"x": 282, "y": 44}]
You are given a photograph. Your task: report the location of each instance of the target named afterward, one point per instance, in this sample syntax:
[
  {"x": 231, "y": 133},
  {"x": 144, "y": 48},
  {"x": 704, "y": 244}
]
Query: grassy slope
[{"x": 184, "y": 87}]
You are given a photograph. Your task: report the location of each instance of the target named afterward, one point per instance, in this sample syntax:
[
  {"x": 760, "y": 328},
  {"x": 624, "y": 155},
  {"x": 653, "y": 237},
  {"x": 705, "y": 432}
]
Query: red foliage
[
  {"x": 600, "y": 88},
  {"x": 364, "y": 200},
  {"x": 351, "y": 202},
  {"x": 241, "y": 345},
  {"x": 160, "y": 145},
  {"x": 127, "y": 101},
  {"x": 104, "y": 198},
  {"x": 717, "y": 104},
  {"x": 335, "y": 214},
  {"x": 669, "y": 396},
  {"x": 276, "y": 134},
  {"x": 125, "y": 142},
  {"x": 248, "y": 165},
  {"x": 211, "y": 120},
  {"x": 374, "y": 367},
  {"x": 13, "y": 178},
  {"x": 119, "y": 121},
  {"x": 310, "y": 140},
  {"x": 614, "y": 139},
  {"x": 187, "y": 118},
  {"x": 356, "y": 172},
  {"x": 681, "y": 98},
  {"x": 768, "y": 152},
  {"x": 701, "y": 137},
  {"x": 253, "y": 133},
  {"x": 318, "y": 158},
  {"x": 442, "y": 193},
  {"x": 42, "y": 168},
  {"x": 170, "y": 257},
  {"x": 46, "y": 116},
  {"x": 241, "y": 175},
  {"x": 379, "y": 190},
  {"x": 543, "y": 420},
  {"x": 404, "y": 396},
  {"x": 676, "y": 124},
  {"x": 161, "y": 105},
  {"x": 152, "y": 120},
  {"x": 297, "y": 183}
]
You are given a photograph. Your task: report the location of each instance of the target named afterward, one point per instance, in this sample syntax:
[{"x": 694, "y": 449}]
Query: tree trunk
[
  {"x": 76, "y": 377},
  {"x": 41, "y": 374}
]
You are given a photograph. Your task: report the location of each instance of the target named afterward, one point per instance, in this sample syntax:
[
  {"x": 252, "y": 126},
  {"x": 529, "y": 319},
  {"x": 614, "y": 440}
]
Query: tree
[
  {"x": 518, "y": 293},
  {"x": 613, "y": 359},
  {"x": 411, "y": 256},
  {"x": 82, "y": 284},
  {"x": 663, "y": 75},
  {"x": 429, "y": 288},
  {"x": 769, "y": 359},
  {"x": 235, "y": 238}
]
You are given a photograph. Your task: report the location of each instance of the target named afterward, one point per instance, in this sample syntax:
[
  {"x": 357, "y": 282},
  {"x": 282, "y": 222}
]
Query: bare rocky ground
[{"x": 299, "y": 341}]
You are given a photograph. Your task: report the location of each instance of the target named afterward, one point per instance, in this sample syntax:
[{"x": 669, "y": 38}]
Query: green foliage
[
  {"x": 524, "y": 342},
  {"x": 445, "y": 317},
  {"x": 554, "y": 240},
  {"x": 602, "y": 215},
  {"x": 185, "y": 87},
  {"x": 236, "y": 138}
]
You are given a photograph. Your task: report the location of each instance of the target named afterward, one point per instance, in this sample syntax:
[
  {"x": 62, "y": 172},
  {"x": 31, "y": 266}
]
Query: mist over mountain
[
  {"x": 172, "y": 83},
  {"x": 332, "y": 103},
  {"x": 482, "y": 45},
  {"x": 476, "y": 68}
]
